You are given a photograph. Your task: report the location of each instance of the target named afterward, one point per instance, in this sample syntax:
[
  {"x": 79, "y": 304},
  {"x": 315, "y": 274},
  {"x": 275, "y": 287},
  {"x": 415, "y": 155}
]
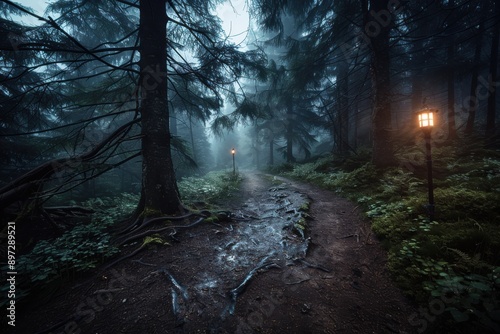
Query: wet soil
[{"x": 260, "y": 272}]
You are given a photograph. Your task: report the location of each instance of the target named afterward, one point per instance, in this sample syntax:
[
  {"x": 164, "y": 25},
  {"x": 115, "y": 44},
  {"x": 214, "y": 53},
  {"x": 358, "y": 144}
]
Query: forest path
[
  {"x": 356, "y": 296},
  {"x": 254, "y": 274}
]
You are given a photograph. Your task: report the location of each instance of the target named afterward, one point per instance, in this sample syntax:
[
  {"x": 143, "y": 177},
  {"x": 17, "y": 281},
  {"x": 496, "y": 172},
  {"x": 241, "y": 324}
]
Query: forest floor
[{"x": 255, "y": 274}]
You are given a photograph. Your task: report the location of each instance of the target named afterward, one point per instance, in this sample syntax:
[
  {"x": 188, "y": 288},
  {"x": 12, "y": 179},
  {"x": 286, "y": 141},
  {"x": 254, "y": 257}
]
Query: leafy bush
[
  {"x": 482, "y": 175},
  {"x": 280, "y": 169},
  {"x": 358, "y": 180},
  {"x": 455, "y": 203},
  {"x": 397, "y": 183},
  {"x": 79, "y": 249},
  {"x": 211, "y": 187},
  {"x": 323, "y": 173}
]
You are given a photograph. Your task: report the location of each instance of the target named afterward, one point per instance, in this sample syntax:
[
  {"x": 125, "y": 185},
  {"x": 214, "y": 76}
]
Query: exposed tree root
[
  {"x": 298, "y": 282},
  {"x": 234, "y": 293},
  {"x": 177, "y": 307},
  {"x": 131, "y": 232},
  {"x": 315, "y": 266},
  {"x": 160, "y": 230},
  {"x": 142, "y": 222},
  {"x": 125, "y": 257},
  {"x": 75, "y": 211}
]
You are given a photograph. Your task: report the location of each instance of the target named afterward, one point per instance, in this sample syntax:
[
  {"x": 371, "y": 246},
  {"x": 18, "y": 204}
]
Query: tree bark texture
[
  {"x": 289, "y": 132},
  {"x": 343, "y": 113},
  {"x": 473, "y": 100},
  {"x": 491, "y": 111},
  {"x": 452, "y": 129},
  {"x": 159, "y": 187},
  {"x": 378, "y": 32}
]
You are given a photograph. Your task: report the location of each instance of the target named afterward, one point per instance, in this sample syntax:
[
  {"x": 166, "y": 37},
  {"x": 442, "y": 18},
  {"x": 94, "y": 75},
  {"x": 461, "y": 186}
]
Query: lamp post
[
  {"x": 426, "y": 122},
  {"x": 233, "y": 151}
]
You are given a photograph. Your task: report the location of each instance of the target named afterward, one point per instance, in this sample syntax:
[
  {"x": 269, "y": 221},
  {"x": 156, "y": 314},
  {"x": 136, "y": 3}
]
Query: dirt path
[{"x": 255, "y": 274}]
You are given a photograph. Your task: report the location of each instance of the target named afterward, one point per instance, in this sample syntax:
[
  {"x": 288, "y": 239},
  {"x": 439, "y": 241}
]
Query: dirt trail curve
[{"x": 255, "y": 274}]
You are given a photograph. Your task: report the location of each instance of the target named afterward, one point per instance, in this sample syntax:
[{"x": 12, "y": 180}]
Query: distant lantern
[
  {"x": 233, "y": 151},
  {"x": 426, "y": 118}
]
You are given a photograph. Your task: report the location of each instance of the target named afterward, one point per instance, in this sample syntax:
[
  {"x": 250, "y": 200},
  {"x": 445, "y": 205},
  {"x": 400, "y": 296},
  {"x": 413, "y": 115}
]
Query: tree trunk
[
  {"x": 343, "y": 91},
  {"x": 417, "y": 78},
  {"x": 271, "y": 152},
  {"x": 173, "y": 122},
  {"x": 452, "y": 130},
  {"x": 383, "y": 151},
  {"x": 159, "y": 187},
  {"x": 473, "y": 101},
  {"x": 191, "y": 135},
  {"x": 492, "y": 79},
  {"x": 289, "y": 133}
]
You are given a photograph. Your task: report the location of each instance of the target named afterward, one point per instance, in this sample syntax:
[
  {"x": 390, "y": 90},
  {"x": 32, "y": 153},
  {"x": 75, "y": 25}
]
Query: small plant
[
  {"x": 211, "y": 187},
  {"x": 79, "y": 249},
  {"x": 469, "y": 296},
  {"x": 423, "y": 224},
  {"x": 305, "y": 206}
]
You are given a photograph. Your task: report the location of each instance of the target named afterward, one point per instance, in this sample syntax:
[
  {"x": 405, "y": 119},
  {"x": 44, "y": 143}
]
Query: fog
[{"x": 275, "y": 85}]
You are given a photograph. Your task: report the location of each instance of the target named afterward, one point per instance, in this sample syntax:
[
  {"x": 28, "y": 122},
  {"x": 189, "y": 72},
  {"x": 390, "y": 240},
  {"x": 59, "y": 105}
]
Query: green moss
[
  {"x": 149, "y": 212},
  {"x": 212, "y": 219},
  {"x": 305, "y": 207},
  {"x": 154, "y": 239}
]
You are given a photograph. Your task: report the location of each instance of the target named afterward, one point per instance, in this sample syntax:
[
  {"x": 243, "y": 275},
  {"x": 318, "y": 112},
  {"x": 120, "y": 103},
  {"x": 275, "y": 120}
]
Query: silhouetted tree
[{"x": 123, "y": 53}]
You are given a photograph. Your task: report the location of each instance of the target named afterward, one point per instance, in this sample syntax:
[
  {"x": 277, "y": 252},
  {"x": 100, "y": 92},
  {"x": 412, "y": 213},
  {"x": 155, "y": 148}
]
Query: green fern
[{"x": 468, "y": 261}]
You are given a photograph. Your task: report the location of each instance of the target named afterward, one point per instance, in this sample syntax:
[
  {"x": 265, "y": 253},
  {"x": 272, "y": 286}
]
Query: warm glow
[
  {"x": 426, "y": 118},
  {"x": 233, "y": 151}
]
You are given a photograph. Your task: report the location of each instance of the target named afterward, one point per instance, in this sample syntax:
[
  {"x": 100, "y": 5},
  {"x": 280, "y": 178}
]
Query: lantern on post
[
  {"x": 233, "y": 151},
  {"x": 426, "y": 118}
]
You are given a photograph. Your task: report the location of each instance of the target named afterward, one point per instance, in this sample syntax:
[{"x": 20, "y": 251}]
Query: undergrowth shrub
[
  {"x": 397, "y": 184},
  {"x": 353, "y": 161},
  {"x": 85, "y": 246},
  {"x": 454, "y": 203},
  {"x": 456, "y": 256},
  {"x": 281, "y": 168},
  {"x": 213, "y": 186},
  {"x": 313, "y": 171},
  {"x": 474, "y": 174},
  {"x": 79, "y": 249},
  {"x": 358, "y": 180},
  {"x": 323, "y": 173}
]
